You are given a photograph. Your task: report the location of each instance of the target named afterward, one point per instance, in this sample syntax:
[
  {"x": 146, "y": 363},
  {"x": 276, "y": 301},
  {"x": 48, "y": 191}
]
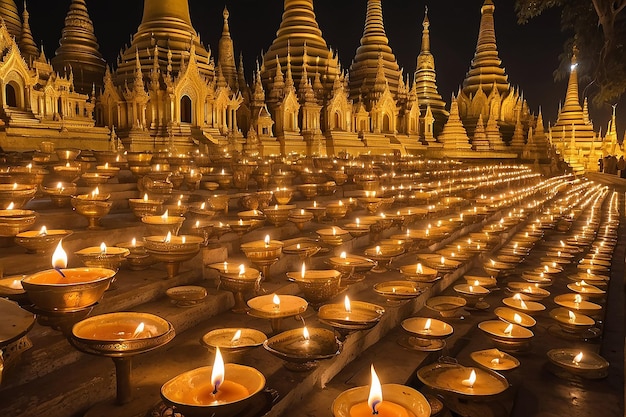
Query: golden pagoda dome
[
  {"x": 226, "y": 53},
  {"x": 298, "y": 31},
  {"x": 374, "y": 48},
  {"x": 11, "y": 17},
  {"x": 79, "y": 50},
  {"x": 166, "y": 25}
]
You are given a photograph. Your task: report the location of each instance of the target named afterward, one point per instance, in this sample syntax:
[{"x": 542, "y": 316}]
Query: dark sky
[{"x": 529, "y": 52}]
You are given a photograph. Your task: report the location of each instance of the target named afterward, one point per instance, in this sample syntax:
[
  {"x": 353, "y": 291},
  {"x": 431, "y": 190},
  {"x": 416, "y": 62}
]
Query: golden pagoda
[
  {"x": 11, "y": 17},
  {"x": 454, "y": 136},
  {"x": 486, "y": 88},
  {"x": 78, "y": 49},
  {"x": 572, "y": 135},
  {"x": 374, "y": 50},
  {"x": 426, "y": 85},
  {"x": 226, "y": 54}
]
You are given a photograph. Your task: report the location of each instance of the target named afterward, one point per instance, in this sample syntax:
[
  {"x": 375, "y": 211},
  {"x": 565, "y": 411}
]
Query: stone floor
[{"x": 53, "y": 379}]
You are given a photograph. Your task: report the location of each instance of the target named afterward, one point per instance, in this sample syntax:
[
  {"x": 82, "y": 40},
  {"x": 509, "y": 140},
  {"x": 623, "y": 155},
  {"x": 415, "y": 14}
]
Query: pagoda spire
[
  {"x": 28, "y": 47},
  {"x": 11, "y": 17},
  {"x": 78, "y": 48},
  {"x": 374, "y": 42},
  {"x": 486, "y": 67},
  {"x": 454, "y": 136},
  {"x": 226, "y": 53},
  {"x": 425, "y": 80},
  {"x": 297, "y": 28}
]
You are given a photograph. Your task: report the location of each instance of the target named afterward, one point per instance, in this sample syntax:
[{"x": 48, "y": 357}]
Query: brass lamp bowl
[
  {"x": 93, "y": 209},
  {"x": 362, "y": 315},
  {"x": 67, "y": 154},
  {"x": 142, "y": 207},
  {"x": 259, "y": 251},
  {"x": 113, "y": 334},
  {"x": 426, "y": 334},
  {"x": 159, "y": 225},
  {"x": 578, "y": 304},
  {"x": 419, "y": 273},
  {"x": 112, "y": 258},
  {"x": 93, "y": 179},
  {"x": 590, "y": 365},
  {"x": 398, "y": 291},
  {"x": 283, "y": 196},
  {"x": 318, "y": 286},
  {"x": 517, "y": 339},
  {"x": 447, "y": 306},
  {"x": 336, "y": 211},
  {"x": 450, "y": 378},
  {"x": 69, "y": 172},
  {"x": 13, "y": 222},
  {"x": 184, "y": 391},
  {"x": 18, "y": 194},
  {"x": 406, "y": 397},
  {"x": 513, "y": 316},
  {"x": 79, "y": 289},
  {"x": 304, "y": 249},
  {"x": 60, "y": 193},
  {"x": 238, "y": 284},
  {"x": 301, "y": 354},
  {"x": 278, "y": 214},
  {"x": 572, "y": 322},
  {"x": 139, "y": 158},
  {"x": 334, "y": 236},
  {"x": 36, "y": 242},
  {"x": 227, "y": 341},
  {"x": 178, "y": 249},
  {"x": 219, "y": 202}
]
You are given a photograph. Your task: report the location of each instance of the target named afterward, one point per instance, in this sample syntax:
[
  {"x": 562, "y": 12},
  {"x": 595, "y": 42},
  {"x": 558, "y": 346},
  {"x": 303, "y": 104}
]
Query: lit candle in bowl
[
  {"x": 41, "y": 241},
  {"x": 302, "y": 348},
  {"x": 388, "y": 400},
  {"x": 103, "y": 256},
  {"x": 66, "y": 290},
  {"x": 221, "y": 389}
]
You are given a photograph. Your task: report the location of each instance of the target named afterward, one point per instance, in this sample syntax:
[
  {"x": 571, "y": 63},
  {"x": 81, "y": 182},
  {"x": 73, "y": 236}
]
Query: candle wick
[
  {"x": 217, "y": 384},
  {"x": 59, "y": 271}
]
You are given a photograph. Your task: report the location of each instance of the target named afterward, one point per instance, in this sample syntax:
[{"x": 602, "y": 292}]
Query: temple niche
[{"x": 486, "y": 91}]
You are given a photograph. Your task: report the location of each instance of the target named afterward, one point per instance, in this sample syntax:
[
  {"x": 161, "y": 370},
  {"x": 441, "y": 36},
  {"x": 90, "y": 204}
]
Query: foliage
[{"x": 598, "y": 29}]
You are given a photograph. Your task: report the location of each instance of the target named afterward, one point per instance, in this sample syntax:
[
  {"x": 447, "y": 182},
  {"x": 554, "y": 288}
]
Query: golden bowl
[
  {"x": 79, "y": 289},
  {"x": 159, "y": 225},
  {"x": 406, "y": 397},
  {"x": 13, "y": 222},
  {"x": 183, "y": 391},
  {"x": 447, "y": 306},
  {"x": 317, "y": 286},
  {"x": 18, "y": 194},
  {"x": 36, "y": 242}
]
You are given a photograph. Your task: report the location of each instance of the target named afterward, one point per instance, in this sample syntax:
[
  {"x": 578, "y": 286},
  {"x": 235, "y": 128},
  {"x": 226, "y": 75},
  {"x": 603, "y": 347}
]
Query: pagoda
[
  {"x": 426, "y": 85},
  {"x": 486, "y": 88},
  {"x": 78, "y": 50}
]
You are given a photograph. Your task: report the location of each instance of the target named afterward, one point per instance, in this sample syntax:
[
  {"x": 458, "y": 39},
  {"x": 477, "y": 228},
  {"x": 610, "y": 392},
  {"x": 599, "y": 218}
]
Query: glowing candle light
[
  {"x": 165, "y": 215},
  {"x": 133, "y": 242},
  {"x": 236, "y": 337},
  {"x": 419, "y": 269},
  {"x": 427, "y": 325},
  {"x": 43, "y": 231},
  {"x": 103, "y": 248},
  {"x": 517, "y": 318},
  {"x": 346, "y": 304},
  {"x": 572, "y": 316},
  {"x": 168, "y": 238},
  {"x": 59, "y": 259},
  {"x": 470, "y": 381},
  {"x": 507, "y": 331},
  {"x": 276, "y": 301},
  {"x": 140, "y": 328},
  {"x": 267, "y": 241},
  {"x": 303, "y": 271},
  {"x": 577, "y": 358}
]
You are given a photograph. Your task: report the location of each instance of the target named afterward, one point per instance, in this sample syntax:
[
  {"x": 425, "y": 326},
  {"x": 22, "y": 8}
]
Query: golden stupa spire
[
  {"x": 572, "y": 100},
  {"x": 28, "y": 47},
  {"x": 226, "y": 53},
  {"x": 166, "y": 23},
  {"x": 486, "y": 67},
  {"x": 79, "y": 49},
  {"x": 454, "y": 136},
  {"x": 425, "y": 81},
  {"x": 298, "y": 26},
  {"x": 11, "y": 17},
  {"x": 374, "y": 43}
]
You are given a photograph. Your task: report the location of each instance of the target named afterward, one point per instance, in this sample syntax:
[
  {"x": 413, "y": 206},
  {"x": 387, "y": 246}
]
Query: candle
[
  {"x": 577, "y": 359},
  {"x": 59, "y": 259},
  {"x": 103, "y": 248},
  {"x": 303, "y": 271},
  {"x": 276, "y": 301},
  {"x": 375, "y": 404},
  {"x": 43, "y": 231},
  {"x": 267, "y": 241},
  {"x": 219, "y": 390},
  {"x": 236, "y": 337}
]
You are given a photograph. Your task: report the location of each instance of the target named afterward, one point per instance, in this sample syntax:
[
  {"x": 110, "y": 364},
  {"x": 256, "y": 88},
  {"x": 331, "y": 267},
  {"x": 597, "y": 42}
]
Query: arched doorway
[
  {"x": 386, "y": 123},
  {"x": 185, "y": 109},
  {"x": 337, "y": 121},
  {"x": 11, "y": 96}
]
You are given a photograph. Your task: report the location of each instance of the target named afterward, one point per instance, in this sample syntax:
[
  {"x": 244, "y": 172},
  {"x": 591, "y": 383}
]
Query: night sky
[{"x": 529, "y": 52}]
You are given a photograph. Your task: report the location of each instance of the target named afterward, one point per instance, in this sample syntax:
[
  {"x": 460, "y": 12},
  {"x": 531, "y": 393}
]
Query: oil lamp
[
  {"x": 263, "y": 253},
  {"x": 382, "y": 400},
  {"x": 41, "y": 241},
  {"x": 426, "y": 334},
  {"x": 93, "y": 206},
  {"x": 318, "y": 286},
  {"x": 275, "y": 308}
]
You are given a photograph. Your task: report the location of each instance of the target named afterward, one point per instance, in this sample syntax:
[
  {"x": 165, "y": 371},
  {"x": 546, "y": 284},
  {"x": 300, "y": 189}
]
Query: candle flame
[
  {"x": 571, "y": 315},
  {"x": 103, "y": 248},
  {"x": 217, "y": 374},
  {"x": 471, "y": 380},
  {"x": 303, "y": 271},
  {"x": 517, "y": 318},
  {"x": 133, "y": 242},
  {"x": 443, "y": 260},
  {"x": 43, "y": 231},
  {"x": 59, "y": 257},
  {"x": 419, "y": 269},
  {"x": 267, "y": 240},
  {"x": 11, "y": 206},
  {"x": 428, "y": 324},
  {"x": 225, "y": 267},
  {"x": 508, "y": 329},
  {"x": 138, "y": 330},
  {"x": 578, "y": 299},
  {"x": 343, "y": 255},
  {"x": 242, "y": 269},
  {"x": 236, "y": 337},
  {"x": 377, "y": 250},
  {"x": 168, "y": 238},
  {"x": 376, "y": 392},
  {"x": 346, "y": 303},
  {"x": 95, "y": 192},
  {"x": 305, "y": 333},
  {"x": 165, "y": 215},
  {"x": 276, "y": 301},
  {"x": 577, "y": 358}
]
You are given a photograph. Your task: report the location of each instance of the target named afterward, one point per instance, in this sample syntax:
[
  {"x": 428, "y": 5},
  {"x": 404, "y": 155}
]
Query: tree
[{"x": 598, "y": 29}]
